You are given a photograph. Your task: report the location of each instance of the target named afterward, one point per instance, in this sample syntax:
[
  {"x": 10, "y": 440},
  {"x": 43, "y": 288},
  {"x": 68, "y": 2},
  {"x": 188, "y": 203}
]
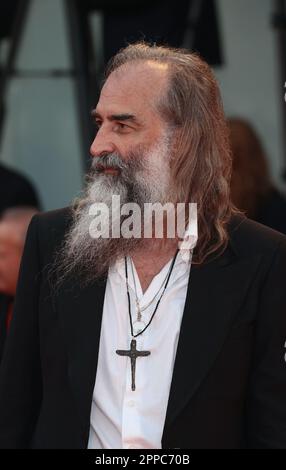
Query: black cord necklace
[
  {"x": 132, "y": 352},
  {"x": 159, "y": 300}
]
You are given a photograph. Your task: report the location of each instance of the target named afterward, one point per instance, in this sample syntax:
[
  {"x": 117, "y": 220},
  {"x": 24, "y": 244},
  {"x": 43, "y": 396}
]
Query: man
[
  {"x": 13, "y": 228},
  {"x": 209, "y": 371}
]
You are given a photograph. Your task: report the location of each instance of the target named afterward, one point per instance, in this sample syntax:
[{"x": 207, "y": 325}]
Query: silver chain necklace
[{"x": 139, "y": 324}]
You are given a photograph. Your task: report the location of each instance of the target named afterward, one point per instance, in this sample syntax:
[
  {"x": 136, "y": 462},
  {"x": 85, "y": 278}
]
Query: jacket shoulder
[
  {"x": 51, "y": 229},
  {"x": 58, "y": 219},
  {"x": 248, "y": 237}
]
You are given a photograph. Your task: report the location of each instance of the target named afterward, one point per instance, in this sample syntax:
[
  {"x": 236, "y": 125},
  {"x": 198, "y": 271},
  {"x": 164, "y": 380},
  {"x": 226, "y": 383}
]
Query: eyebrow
[{"x": 116, "y": 117}]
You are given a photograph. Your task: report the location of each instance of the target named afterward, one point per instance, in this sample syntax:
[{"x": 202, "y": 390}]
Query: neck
[{"x": 150, "y": 260}]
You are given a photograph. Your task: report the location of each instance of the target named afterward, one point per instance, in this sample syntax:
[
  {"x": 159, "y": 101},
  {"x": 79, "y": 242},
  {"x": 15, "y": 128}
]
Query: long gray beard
[{"x": 138, "y": 181}]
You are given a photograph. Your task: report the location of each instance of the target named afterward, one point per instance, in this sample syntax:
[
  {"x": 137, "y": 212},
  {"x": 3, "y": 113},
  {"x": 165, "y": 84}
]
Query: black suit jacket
[{"x": 229, "y": 382}]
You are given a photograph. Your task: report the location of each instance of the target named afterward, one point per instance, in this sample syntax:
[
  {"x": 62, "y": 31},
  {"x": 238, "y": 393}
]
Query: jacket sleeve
[
  {"x": 266, "y": 405},
  {"x": 20, "y": 372}
]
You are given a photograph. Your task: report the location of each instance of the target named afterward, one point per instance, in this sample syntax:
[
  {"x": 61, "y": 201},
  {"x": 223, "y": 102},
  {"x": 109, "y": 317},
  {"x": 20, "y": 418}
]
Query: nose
[{"x": 101, "y": 145}]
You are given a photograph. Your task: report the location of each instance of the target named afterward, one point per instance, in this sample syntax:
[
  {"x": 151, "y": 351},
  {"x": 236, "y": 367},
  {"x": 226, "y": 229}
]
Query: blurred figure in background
[
  {"x": 252, "y": 189},
  {"x": 16, "y": 191},
  {"x": 13, "y": 228}
]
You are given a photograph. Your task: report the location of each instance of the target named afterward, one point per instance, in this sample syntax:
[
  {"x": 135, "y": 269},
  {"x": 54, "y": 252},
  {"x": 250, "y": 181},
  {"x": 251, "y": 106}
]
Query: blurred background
[{"x": 52, "y": 54}]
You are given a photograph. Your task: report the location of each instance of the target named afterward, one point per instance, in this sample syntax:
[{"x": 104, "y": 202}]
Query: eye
[
  {"x": 121, "y": 126},
  {"x": 97, "y": 123}
]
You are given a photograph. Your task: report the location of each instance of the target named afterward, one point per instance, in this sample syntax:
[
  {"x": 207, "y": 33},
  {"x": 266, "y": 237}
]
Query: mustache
[
  {"x": 134, "y": 162},
  {"x": 112, "y": 160}
]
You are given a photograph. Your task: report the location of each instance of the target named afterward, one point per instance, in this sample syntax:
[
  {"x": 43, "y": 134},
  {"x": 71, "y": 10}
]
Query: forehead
[{"x": 133, "y": 88}]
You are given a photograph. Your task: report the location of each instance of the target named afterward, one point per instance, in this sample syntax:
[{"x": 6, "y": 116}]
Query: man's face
[
  {"x": 126, "y": 113},
  {"x": 131, "y": 158}
]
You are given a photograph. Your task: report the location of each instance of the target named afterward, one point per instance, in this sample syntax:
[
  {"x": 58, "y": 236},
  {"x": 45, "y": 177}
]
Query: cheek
[
  {"x": 9, "y": 264},
  {"x": 3, "y": 265},
  {"x": 5, "y": 272}
]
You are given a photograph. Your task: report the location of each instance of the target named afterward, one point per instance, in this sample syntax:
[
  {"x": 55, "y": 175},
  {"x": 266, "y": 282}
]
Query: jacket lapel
[
  {"x": 215, "y": 293},
  {"x": 80, "y": 311}
]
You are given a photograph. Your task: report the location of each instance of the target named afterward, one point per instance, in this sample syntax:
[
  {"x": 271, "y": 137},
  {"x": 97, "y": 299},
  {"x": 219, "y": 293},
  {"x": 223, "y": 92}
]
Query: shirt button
[{"x": 131, "y": 403}]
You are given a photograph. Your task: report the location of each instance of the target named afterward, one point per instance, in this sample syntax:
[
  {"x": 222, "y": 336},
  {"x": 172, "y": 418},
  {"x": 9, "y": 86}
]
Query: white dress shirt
[{"x": 122, "y": 418}]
